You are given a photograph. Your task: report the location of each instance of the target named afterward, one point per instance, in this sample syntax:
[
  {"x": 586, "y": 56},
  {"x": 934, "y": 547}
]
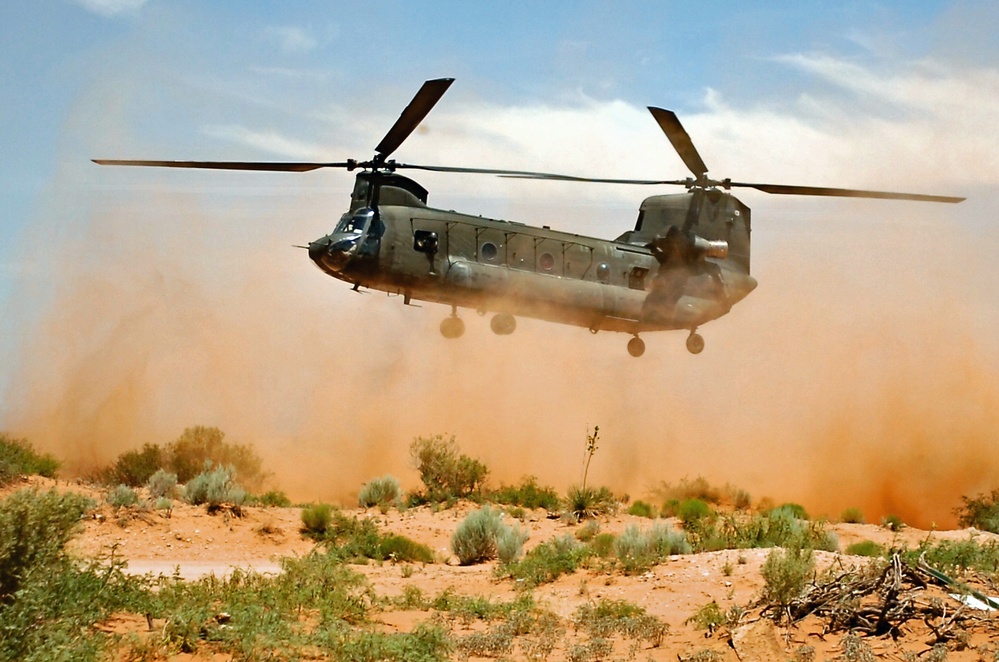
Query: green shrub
[
  {"x": 445, "y": 473},
  {"x": 162, "y": 484},
  {"x": 642, "y": 509},
  {"x": 602, "y": 544},
  {"x": 777, "y": 528},
  {"x": 475, "y": 539},
  {"x": 134, "y": 468},
  {"x": 981, "y": 512},
  {"x": 316, "y": 520},
  {"x": 383, "y": 492},
  {"x": 527, "y": 495},
  {"x": 638, "y": 550},
  {"x": 548, "y": 561},
  {"x": 34, "y": 528},
  {"x": 588, "y": 531},
  {"x": 18, "y": 458},
  {"x": 510, "y": 543},
  {"x": 852, "y": 516},
  {"x": 401, "y": 549},
  {"x": 708, "y": 617},
  {"x": 122, "y": 496},
  {"x": 865, "y": 548},
  {"x": 893, "y": 523},
  {"x": 796, "y": 510},
  {"x": 215, "y": 487},
  {"x": 694, "y": 514},
  {"x": 605, "y": 618},
  {"x": 198, "y": 446},
  {"x": 786, "y": 573},
  {"x": 956, "y": 556},
  {"x": 698, "y": 488},
  {"x": 273, "y": 499},
  {"x": 587, "y": 502}
]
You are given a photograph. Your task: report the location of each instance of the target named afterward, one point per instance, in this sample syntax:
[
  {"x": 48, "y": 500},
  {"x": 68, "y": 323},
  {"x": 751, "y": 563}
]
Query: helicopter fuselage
[{"x": 390, "y": 240}]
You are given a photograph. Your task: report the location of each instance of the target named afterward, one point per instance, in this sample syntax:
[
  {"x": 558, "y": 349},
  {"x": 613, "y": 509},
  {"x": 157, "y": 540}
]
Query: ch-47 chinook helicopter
[{"x": 685, "y": 263}]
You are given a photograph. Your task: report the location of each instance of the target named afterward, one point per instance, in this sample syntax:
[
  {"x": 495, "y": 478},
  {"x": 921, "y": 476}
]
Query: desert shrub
[
  {"x": 549, "y": 561},
  {"x": 606, "y": 618},
  {"x": 638, "y": 550},
  {"x": 707, "y": 617},
  {"x": 479, "y": 535},
  {"x": 273, "y": 499},
  {"x": 786, "y": 573},
  {"x": 401, "y": 549},
  {"x": 585, "y": 502},
  {"x": 188, "y": 454},
  {"x": 134, "y": 468},
  {"x": 852, "y": 516},
  {"x": 446, "y": 474},
  {"x": 777, "y": 528},
  {"x": 527, "y": 495},
  {"x": 381, "y": 492},
  {"x": 981, "y": 512},
  {"x": 865, "y": 548},
  {"x": 316, "y": 520},
  {"x": 694, "y": 514},
  {"x": 122, "y": 496},
  {"x": 215, "y": 487},
  {"x": 698, "y": 488},
  {"x": 642, "y": 509},
  {"x": 738, "y": 497},
  {"x": 795, "y": 509},
  {"x": 893, "y": 523},
  {"x": 956, "y": 556},
  {"x": 602, "y": 545},
  {"x": 162, "y": 484},
  {"x": 163, "y": 503},
  {"x": 588, "y": 531},
  {"x": 19, "y": 458}
]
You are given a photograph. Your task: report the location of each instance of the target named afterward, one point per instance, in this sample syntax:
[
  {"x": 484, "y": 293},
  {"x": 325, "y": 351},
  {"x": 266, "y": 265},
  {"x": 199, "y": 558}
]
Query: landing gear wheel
[
  {"x": 695, "y": 343},
  {"x": 503, "y": 324},
  {"x": 636, "y": 347},
  {"x": 452, "y": 327}
]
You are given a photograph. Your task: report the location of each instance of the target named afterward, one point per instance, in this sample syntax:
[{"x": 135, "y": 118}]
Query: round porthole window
[
  {"x": 603, "y": 272},
  {"x": 489, "y": 251},
  {"x": 546, "y": 261}
]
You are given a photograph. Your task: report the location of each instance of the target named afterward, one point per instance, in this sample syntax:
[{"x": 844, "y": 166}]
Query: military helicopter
[{"x": 685, "y": 263}]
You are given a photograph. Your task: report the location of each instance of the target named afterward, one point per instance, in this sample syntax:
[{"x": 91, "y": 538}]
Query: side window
[
  {"x": 636, "y": 278},
  {"x": 425, "y": 241}
]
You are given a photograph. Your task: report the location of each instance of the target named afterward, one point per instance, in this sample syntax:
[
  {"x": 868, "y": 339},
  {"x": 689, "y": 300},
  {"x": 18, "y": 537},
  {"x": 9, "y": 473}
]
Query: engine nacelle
[{"x": 710, "y": 247}]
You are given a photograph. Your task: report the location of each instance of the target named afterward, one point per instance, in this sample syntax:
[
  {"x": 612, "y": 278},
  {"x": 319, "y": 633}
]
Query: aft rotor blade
[
  {"x": 413, "y": 114},
  {"x": 518, "y": 174},
  {"x": 267, "y": 166},
  {"x": 680, "y": 139},
  {"x": 845, "y": 192},
  {"x": 596, "y": 180}
]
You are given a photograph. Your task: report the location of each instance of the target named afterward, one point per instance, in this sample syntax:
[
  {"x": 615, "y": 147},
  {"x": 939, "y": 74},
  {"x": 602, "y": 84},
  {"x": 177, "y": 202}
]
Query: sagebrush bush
[
  {"x": 383, "y": 492},
  {"x": 852, "y": 516},
  {"x": 198, "y": 446},
  {"x": 474, "y": 541},
  {"x": 273, "y": 499},
  {"x": 786, "y": 573},
  {"x": 549, "y": 560},
  {"x": 122, "y": 496},
  {"x": 214, "y": 488},
  {"x": 162, "y": 484},
  {"x": 795, "y": 509},
  {"x": 446, "y": 474},
  {"x": 638, "y": 550},
  {"x": 642, "y": 509},
  {"x": 510, "y": 543},
  {"x": 19, "y": 458}
]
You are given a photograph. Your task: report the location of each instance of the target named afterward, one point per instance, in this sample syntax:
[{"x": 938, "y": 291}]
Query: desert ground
[{"x": 188, "y": 543}]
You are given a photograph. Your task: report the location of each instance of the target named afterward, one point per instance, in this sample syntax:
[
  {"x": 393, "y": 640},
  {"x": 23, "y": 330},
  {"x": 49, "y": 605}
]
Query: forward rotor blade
[
  {"x": 680, "y": 139},
  {"x": 413, "y": 114},
  {"x": 520, "y": 174},
  {"x": 596, "y": 180},
  {"x": 781, "y": 189},
  {"x": 268, "y": 166}
]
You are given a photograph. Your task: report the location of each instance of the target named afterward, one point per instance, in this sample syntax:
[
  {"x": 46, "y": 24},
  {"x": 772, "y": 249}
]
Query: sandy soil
[{"x": 190, "y": 542}]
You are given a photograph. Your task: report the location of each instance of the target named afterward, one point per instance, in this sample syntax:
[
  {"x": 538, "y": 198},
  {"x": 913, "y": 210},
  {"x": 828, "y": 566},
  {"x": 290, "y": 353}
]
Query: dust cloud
[{"x": 861, "y": 373}]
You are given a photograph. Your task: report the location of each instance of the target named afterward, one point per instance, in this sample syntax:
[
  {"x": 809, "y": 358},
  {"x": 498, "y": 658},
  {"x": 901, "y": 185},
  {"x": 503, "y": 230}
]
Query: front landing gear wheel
[
  {"x": 695, "y": 343},
  {"x": 636, "y": 347},
  {"x": 452, "y": 327}
]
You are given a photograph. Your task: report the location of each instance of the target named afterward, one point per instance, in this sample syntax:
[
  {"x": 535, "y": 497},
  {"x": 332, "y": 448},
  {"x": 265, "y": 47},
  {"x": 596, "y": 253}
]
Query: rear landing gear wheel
[
  {"x": 636, "y": 347},
  {"x": 452, "y": 327},
  {"x": 503, "y": 324},
  {"x": 695, "y": 343}
]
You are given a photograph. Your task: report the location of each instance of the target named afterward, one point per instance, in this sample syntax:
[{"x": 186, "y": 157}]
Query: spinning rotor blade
[
  {"x": 845, "y": 192},
  {"x": 680, "y": 139},
  {"x": 412, "y": 115},
  {"x": 517, "y": 174},
  {"x": 269, "y": 166}
]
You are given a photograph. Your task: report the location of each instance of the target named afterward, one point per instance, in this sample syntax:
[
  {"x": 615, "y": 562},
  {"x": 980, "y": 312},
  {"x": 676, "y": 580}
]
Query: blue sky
[{"x": 94, "y": 261}]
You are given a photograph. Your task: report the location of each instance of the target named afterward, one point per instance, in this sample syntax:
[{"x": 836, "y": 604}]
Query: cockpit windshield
[{"x": 355, "y": 222}]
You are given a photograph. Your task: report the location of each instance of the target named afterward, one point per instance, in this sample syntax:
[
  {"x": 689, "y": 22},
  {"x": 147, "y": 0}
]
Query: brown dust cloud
[{"x": 861, "y": 373}]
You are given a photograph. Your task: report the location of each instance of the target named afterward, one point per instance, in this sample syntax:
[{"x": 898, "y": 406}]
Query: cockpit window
[{"x": 355, "y": 222}]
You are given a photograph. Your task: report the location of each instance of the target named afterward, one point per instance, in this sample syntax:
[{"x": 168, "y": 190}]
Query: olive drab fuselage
[{"x": 390, "y": 240}]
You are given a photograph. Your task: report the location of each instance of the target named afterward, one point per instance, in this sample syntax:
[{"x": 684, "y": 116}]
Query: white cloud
[
  {"x": 111, "y": 7},
  {"x": 270, "y": 142},
  {"x": 292, "y": 39}
]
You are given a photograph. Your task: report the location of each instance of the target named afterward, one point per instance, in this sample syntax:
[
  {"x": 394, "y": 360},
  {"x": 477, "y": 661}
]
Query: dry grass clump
[{"x": 483, "y": 535}]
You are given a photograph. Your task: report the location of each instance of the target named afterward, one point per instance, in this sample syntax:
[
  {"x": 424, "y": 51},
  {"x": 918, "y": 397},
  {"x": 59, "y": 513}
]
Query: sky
[{"x": 140, "y": 301}]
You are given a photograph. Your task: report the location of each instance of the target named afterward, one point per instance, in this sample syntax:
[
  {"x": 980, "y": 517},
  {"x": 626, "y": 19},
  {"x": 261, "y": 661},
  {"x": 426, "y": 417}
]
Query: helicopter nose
[
  {"x": 332, "y": 253},
  {"x": 317, "y": 249}
]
